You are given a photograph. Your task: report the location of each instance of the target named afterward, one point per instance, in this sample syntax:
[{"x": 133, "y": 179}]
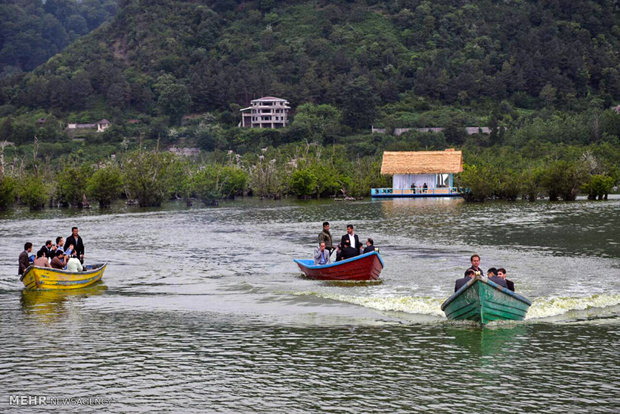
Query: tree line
[{"x": 304, "y": 170}]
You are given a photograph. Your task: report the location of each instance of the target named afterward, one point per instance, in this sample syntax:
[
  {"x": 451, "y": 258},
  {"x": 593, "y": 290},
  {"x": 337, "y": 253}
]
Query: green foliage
[
  {"x": 530, "y": 183},
  {"x": 350, "y": 55},
  {"x": 303, "y": 182},
  {"x": 8, "y": 190},
  {"x": 146, "y": 177},
  {"x": 215, "y": 182},
  {"x": 233, "y": 181},
  {"x": 479, "y": 180},
  {"x": 105, "y": 185},
  {"x": 34, "y": 192},
  {"x": 316, "y": 122},
  {"x": 33, "y": 31},
  {"x": 509, "y": 184},
  {"x": 174, "y": 98},
  {"x": 563, "y": 179},
  {"x": 71, "y": 185},
  {"x": 598, "y": 186}
]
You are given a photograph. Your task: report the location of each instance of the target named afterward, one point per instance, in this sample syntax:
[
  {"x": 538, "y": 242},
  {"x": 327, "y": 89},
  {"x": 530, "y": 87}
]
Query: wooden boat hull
[
  {"x": 364, "y": 267},
  {"x": 45, "y": 278},
  {"x": 483, "y": 301}
]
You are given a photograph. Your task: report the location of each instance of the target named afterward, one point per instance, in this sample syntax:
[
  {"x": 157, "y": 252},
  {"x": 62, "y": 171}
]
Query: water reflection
[
  {"x": 487, "y": 340},
  {"x": 51, "y": 305}
]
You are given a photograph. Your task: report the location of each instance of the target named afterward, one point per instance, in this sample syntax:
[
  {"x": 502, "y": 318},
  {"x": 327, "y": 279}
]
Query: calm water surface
[{"x": 203, "y": 309}]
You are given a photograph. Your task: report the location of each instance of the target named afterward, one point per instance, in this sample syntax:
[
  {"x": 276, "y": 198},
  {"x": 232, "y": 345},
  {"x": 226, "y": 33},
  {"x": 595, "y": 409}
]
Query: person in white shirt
[{"x": 74, "y": 265}]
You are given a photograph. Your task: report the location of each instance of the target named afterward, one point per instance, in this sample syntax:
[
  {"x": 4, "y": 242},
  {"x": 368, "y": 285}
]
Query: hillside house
[
  {"x": 99, "y": 126},
  {"x": 266, "y": 112}
]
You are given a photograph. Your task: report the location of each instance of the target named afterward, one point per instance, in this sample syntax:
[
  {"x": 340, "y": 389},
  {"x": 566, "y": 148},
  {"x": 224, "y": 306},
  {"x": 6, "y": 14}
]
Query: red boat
[{"x": 364, "y": 267}]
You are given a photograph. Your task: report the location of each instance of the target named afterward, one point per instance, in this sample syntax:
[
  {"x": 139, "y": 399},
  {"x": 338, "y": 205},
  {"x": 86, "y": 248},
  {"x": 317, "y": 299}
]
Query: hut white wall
[{"x": 402, "y": 181}]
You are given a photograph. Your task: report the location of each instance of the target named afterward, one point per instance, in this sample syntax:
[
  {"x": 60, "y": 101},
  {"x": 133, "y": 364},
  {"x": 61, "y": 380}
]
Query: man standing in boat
[
  {"x": 24, "y": 261},
  {"x": 326, "y": 237},
  {"x": 354, "y": 241},
  {"x": 78, "y": 244},
  {"x": 475, "y": 265}
]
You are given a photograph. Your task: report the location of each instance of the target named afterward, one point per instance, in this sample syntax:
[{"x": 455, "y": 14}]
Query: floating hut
[{"x": 421, "y": 173}]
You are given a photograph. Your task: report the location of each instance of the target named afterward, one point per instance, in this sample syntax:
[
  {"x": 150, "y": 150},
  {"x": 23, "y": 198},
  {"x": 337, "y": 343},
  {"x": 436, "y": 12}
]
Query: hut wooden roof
[{"x": 422, "y": 162}]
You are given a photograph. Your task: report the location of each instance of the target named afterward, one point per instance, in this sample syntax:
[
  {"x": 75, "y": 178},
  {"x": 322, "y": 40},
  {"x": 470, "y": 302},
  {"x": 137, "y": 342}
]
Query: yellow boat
[{"x": 45, "y": 278}]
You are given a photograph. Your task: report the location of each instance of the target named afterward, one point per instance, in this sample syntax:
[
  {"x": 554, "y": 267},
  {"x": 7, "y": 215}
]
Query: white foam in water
[
  {"x": 553, "y": 306},
  {"x": 408, "y": 304},
  {"x": 541, "y": 307}
]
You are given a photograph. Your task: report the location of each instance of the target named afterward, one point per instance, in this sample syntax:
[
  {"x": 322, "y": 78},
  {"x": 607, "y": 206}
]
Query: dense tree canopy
[
  {"x": 356, "y": 55},
  {"x": 33, "y": 30}
]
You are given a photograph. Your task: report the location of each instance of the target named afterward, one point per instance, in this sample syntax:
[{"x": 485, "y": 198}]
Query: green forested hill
[
  {"x": 368, "y": 58},
  {"x": 31, "y": 31}
]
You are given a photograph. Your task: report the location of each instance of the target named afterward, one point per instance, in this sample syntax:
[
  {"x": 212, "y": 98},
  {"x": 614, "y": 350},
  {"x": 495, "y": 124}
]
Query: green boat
[{"x": 483, "y": 301}]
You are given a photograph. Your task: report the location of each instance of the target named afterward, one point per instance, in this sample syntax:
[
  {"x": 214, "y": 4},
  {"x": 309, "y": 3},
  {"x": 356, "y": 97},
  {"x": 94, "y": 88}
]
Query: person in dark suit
[
  {"x": 348, "y": 251},
  {"x": 47, "y": 249},
  {"x": 24, "y": 261},
  {"x": 370, "y": 246},
  {"x": 501, "y": 273},
  {"x": 475, "y": 264},
  {"x": 492, "y": 275},
  {"x": 354, "y": 240},
  {"x": 78, "y": 244},
  {"x": 469, "y": 274}
]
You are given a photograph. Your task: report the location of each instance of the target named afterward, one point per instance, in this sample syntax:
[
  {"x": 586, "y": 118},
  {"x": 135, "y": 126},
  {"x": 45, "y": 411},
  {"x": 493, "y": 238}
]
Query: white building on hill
[{"x": 266, "y": 112}]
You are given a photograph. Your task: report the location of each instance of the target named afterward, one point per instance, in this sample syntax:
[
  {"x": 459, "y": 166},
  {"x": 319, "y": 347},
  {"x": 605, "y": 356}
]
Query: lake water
[{"x": 203, "y": 309}]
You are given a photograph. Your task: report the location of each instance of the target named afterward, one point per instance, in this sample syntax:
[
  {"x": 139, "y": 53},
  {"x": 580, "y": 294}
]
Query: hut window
[{"x": 443, "y": 180}]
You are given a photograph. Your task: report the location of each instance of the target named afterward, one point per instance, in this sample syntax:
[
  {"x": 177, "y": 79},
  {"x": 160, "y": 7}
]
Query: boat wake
[
  {"x": 542, "y": 308},
  {"x": 407, "y": 304},
  {"x": 547, "y": 307}
]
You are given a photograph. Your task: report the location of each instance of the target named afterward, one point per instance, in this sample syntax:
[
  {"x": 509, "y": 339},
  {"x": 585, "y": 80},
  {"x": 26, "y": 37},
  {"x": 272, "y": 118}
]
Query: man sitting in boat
[
  {"x": 41, "y": 260},
  {"x": 469, "y": 274},
  {"x": 348, "y": 251},
  {"x": 321, "y": 255},
  {"x": 501, "y": 273},
  {"x": 47, "y": 249},
  {"x": 74, "y": 264},
  {"x": 475, "y": 265},
  {"x": 492, "y": 275},
  {"x": 60, "y": 261},
  {"x": 370, "y": 246}
]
